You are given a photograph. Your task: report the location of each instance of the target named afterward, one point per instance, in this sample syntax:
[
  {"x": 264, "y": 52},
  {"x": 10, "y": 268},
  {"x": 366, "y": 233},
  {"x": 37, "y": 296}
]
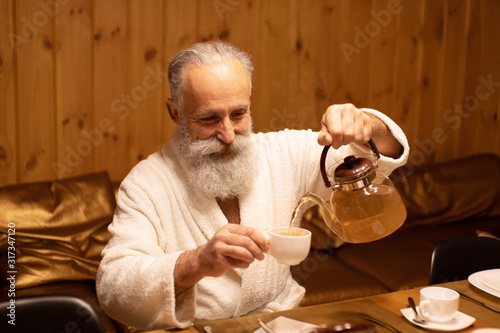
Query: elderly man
[{"x": 186, "y": 239}]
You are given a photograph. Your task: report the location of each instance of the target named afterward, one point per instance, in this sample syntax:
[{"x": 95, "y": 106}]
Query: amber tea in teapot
[{"x": 364, "y": 206}]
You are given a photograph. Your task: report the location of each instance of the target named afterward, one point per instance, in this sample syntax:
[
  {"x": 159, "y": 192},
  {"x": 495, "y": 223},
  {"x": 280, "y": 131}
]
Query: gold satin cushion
[
  {"x": 60, "y": 228},
  {"x": 450, "y": 192}
]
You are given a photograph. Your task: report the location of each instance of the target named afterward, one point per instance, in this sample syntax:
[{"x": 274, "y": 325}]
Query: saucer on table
[
  {"x": 460, "y": 321},
  {"x": 284, "y": 324}
]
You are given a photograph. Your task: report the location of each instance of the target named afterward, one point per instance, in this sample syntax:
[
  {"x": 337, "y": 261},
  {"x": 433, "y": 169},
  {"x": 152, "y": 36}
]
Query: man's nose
[{"x": 226, "y": 131}]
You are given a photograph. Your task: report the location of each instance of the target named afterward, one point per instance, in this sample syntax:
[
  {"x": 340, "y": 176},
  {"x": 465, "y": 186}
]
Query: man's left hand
[{"x": 344, "y": 123}]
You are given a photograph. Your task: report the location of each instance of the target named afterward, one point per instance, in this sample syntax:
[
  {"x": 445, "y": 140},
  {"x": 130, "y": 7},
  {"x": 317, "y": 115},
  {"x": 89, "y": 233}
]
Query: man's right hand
[{"x": 233, "y": 246}]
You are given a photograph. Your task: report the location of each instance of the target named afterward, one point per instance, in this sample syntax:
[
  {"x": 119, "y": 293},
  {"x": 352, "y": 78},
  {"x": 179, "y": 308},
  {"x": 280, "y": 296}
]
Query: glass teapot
[{"x": 364, "y": 205}]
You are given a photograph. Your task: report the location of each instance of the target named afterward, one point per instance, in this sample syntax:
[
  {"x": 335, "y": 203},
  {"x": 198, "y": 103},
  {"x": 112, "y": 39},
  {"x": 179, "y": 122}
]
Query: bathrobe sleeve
[
  {"x": 388, "y": 164},
  {"x": 135, "y": 282}
]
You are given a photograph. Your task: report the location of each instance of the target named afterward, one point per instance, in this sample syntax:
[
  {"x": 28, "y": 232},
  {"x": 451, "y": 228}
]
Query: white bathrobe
[{"x": 158, "y": 217}]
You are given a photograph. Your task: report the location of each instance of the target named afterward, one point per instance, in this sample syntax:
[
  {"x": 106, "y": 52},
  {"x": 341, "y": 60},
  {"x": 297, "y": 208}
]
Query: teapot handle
[{"x": 323, "y": 161}]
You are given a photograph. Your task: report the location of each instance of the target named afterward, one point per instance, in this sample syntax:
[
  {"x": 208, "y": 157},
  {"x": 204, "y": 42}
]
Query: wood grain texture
[
  {"x": 8, "y": 117},
  {"x": 35, "y": 90},
  {"x": 110, "y": 87},
  {"x": 83, "y": 82},
  {"x": 73, "y": 58}
]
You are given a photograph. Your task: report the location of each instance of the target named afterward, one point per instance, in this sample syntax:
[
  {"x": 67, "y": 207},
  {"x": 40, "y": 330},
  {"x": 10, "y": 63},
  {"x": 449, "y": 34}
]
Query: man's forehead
[
  {"x": 211, "y": 111},
  {"x": 222, "y": 66},
  {"x": 218, "y": 86}
]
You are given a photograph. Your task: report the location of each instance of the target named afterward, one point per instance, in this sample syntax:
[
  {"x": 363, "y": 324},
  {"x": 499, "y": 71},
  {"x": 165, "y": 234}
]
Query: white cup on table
[
  {"x": 288, "y": 248},
  {"x": 438, "y": 304}
]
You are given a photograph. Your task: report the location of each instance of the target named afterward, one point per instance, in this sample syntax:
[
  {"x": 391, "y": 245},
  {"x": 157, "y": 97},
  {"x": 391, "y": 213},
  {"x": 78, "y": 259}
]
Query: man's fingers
[
  {"x": 242, "y": 242},
  {"x": 343, "y": 124},
  {"x": 250, "y": 233}
]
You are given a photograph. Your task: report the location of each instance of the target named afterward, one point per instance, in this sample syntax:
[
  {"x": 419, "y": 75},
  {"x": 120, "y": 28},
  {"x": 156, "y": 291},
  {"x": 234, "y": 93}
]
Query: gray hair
[{"x": 200, "y": 54}]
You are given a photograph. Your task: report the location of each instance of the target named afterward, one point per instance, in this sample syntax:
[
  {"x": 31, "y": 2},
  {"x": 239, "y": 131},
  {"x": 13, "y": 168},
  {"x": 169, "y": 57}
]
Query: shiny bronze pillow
[
  {"x": 450, "y": 192},
  {"x": 60, "y": 229}
]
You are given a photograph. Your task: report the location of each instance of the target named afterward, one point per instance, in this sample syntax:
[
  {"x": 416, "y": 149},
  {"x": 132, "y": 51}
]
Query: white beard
[{"x": 219, "y": 175}]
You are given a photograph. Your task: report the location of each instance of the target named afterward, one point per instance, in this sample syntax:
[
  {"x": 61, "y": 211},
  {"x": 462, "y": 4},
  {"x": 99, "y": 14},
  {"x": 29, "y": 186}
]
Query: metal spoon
[{"x": 417, "y": 318}]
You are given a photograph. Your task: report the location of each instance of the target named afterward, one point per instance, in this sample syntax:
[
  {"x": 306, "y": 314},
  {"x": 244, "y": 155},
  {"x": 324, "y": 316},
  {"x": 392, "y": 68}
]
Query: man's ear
[{"x": 172, "y": 111}]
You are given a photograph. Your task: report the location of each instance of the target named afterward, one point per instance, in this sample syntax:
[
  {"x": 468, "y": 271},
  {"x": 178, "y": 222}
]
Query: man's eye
[
  {"x": 238, "y": 114},
  {"x": 209, "y": 119}
]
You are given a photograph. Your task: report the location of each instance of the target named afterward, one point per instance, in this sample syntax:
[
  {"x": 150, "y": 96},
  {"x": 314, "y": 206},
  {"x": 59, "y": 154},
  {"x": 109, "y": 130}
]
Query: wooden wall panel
[
  {"x": 489, "y": 98},
  {"x": 145, "y": 72},
  {"x": 272, "y": 62},
  {"x": 211, "y": 19},
  {"x": 454, "y": 38},
  {"x": 465, "y": 116},
  {"x": 241, "y": 21},
  {"x": 73, "y": 58},
  {"x": 431, "y": 77},
  {"x": 8, "y": 119},
  {"x": 307, "y": 50},
  {"x": 407, "y": 61},
  {"x": 383, "y": 16},
  {"x": 35, "y": 79},
  {"x": 357, "y": 75},
  {"x": 110, "y": 87},
  {"x": 83, "y": 87},
  {"x": 177, "y": 14},
  {"x": 334, "y": 51}
]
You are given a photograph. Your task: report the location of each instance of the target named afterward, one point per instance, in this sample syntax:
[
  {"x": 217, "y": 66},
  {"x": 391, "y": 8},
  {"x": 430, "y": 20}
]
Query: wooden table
[
  {"x": 484, "y": 317},
  {"x": 384, "y": 306}
]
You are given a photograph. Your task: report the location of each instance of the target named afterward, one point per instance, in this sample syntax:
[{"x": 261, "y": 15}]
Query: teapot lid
[
  {"x": 353, "y": 169},
  {"x": 357, "y": 168}
]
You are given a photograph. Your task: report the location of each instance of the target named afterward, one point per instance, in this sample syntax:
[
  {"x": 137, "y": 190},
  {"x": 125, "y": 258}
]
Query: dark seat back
[
  {"x": 456, "y": 259},
  {"x": 49, "y": 313}
]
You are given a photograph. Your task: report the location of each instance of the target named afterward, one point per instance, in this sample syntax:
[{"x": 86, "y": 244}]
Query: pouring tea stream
[{"x": 364, "y": 205}]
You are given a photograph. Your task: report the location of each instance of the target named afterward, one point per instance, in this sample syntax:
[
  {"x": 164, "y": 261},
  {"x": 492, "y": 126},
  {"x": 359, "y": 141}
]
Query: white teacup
[
  {"x": 438, "y": 304},
  {"x": 289, "y": 249}
]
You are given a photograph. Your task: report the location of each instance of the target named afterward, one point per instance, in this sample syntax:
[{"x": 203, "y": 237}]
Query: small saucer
[
  {"x": 460, "y": 321},
  {"x": 288, "y": 325}
]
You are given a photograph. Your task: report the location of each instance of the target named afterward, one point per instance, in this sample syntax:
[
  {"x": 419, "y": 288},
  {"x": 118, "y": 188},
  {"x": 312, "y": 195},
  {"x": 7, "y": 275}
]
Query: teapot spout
[{"x": 329, "y": 217}]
